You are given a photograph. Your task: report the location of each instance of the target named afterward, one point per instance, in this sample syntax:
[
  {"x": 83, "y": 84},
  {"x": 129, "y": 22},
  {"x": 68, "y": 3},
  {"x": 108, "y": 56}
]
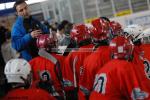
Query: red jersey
[
  {"x": 28, "y": 94},
  {"x": 146, "y": 49},
  {"x": 72, "y": 65},
  {"x": 40, "y": 64},
  {"x": 141, "y": 52},
  {"x": 91, "y": 65},
  {"x": 121, "y": 80}
]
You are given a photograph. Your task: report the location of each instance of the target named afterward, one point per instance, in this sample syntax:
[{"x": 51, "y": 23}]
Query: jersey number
[
  {"x": 100, "y": 83},
  {"x": 147, "y": 68}
]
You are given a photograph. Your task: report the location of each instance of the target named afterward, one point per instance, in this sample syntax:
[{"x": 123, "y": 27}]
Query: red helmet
[
  {"x": 80, "y": 33},
  {"x": 45, "y": 41},
  {"x": 121, "y": 48},
  {"x": 91, "y": 29},
  {"x": 116, "y": 28},
  {"x": 102, "y": 29}
]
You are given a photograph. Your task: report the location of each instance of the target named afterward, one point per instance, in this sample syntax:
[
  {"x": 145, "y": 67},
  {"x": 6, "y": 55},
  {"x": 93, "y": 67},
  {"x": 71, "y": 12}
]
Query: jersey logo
[
  {"x": 100, "y": 83},
  {"x": 137, "y": 94},
  {"x": 81, "y": 70},
  {"x": 45, "y": 75},
  {"x": 147, "y": 68}
]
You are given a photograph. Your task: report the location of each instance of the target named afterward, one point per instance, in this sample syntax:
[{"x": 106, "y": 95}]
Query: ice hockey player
[
  {"x": 82, "y": 35},
  {"x": 18, "y": 74},
  {"x": 121, "y": 78},
  {"x": 97, "y": 59},
  {"x": 47, "y": 71}
]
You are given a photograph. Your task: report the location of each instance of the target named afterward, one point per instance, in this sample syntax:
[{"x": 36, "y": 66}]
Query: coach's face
[{"x": 22, "y": 10}]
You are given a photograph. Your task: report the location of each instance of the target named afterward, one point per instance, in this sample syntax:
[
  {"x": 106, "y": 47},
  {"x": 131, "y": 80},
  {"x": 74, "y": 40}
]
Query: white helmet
[
  {"x": 145, "y": 33},
  {"x": 133, "y": 31},
  {"x": 89, "y": 25},
  {"x": 145, "y": 36},
  {"x": 16, "y": 68}
]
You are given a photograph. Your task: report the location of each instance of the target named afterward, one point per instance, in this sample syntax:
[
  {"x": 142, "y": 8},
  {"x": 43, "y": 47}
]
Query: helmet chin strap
[
  {"x": 25, "y": 85},
  {"x": 27, "y": 82},
  {"x": 20, "y": 85}
]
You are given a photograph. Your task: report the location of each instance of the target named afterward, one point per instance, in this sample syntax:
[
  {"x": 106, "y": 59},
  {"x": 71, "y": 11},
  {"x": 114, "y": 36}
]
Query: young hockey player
[
  {"x": 47, "y": 67},
  {"x": 121, "y": 78},
  {"x": 18, "y": 74},
  {"x": 97, "y": 59},
  {"x": 82, "y": 35}
]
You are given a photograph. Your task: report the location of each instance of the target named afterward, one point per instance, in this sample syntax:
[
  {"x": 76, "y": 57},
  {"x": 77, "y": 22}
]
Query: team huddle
[{"x": 106, "y": 62}]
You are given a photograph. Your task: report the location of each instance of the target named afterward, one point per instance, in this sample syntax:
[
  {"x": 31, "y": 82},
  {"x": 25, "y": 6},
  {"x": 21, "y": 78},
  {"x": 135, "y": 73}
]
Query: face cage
[
  {"x": 145, "y": 40},
  {"x": 30, "y": 78}
]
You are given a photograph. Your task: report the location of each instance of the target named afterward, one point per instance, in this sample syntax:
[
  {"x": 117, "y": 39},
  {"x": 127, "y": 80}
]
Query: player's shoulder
[
  {"x": 145, "y": 45},
  {"x": 90, "y": 58},
  {"x": 36, "y": 93},
  {"x": 102, "y": 48},
  {"x": 70, "y": 57},
  {"x": 86, "y": 48},
  {"x": 98, "y": 54},
  {"x": 116, "y": 65},
  {"x": 72, "y": 54},
  {"x": 40, "y": 61},
  {"x": 15, "y": 93},
  {"x": 36, "y": 59},
  {"x": 102, "y": 51},
  {"x": 58, "y": 57},
  {"x": 146, "y": 48}
]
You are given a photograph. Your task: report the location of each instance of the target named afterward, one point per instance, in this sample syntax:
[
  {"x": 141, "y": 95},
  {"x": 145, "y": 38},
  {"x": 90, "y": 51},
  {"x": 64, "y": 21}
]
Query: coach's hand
[{"x": 35, "y": 33}]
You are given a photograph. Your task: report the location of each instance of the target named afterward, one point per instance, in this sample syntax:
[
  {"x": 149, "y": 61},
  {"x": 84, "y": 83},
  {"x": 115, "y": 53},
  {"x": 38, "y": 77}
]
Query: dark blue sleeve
[{"x": 20, "y": 40}]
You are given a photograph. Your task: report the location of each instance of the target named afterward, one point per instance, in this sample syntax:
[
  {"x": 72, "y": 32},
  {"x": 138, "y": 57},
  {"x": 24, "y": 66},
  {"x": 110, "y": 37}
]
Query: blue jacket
[{"x": 21, "y": 39}]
